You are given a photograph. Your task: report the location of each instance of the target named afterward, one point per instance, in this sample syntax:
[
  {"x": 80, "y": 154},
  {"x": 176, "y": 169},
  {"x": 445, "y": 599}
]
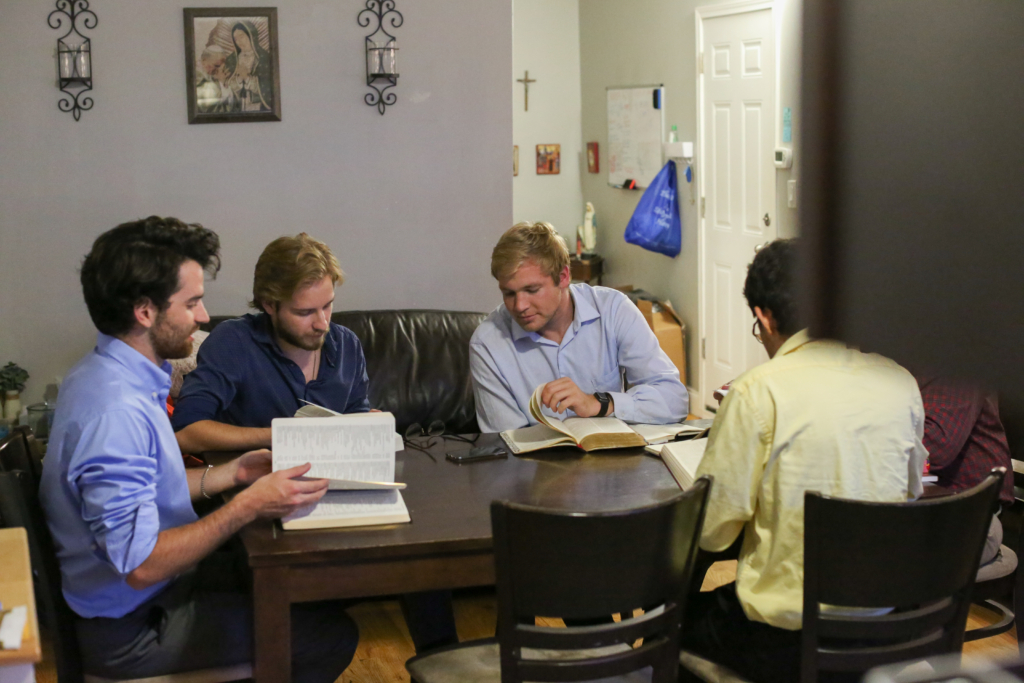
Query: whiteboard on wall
[{"x": 635, "y": 131}]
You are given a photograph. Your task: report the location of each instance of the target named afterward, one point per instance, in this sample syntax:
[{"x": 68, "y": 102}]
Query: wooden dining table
[{"x": 448, "y": 542}]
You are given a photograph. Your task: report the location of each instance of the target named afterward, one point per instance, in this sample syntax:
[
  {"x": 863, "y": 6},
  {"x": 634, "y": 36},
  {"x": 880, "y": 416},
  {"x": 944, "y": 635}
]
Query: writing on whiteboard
[{"x": 635, "y": 131}]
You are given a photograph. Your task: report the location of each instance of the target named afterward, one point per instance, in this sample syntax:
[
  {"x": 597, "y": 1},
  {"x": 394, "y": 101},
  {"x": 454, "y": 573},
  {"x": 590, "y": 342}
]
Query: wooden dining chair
[
  {"x": 582, "y": 566},
  {"x": 902, "y": 573},
  {"x": 999, "y": 586},
  {"x": 17, "y": 454},
  {"x": 19, "y": 507}
]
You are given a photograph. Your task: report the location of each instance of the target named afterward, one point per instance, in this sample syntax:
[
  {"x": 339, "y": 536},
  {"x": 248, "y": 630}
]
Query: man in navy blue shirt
[
  {"x": 264, "y": 365},
  {"x": 139, "y": 568}
]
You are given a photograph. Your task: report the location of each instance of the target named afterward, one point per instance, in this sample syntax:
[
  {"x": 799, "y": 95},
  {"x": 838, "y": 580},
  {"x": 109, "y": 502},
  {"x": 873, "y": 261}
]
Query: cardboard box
[{"x": 669, "y": 329}]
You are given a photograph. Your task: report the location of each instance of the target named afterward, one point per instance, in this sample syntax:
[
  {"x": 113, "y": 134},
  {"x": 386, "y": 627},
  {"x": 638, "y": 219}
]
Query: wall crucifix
[{"x": 526, "y": 81}]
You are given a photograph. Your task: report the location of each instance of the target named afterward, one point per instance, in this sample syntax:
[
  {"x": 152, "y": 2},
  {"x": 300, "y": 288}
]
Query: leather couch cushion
[{"x": 417, "y": 362}]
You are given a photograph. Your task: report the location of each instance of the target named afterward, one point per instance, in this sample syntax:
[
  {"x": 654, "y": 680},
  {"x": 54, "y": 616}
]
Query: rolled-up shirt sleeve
[
  {"x": 656, "y": 395},
  {"x": 115, "y": 469},
  {"x": 210, "y": 388},
  {"x": 496, "y": 407}
]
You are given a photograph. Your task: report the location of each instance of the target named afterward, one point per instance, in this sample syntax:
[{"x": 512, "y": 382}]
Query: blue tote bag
[{"x": 655, "y": 224}]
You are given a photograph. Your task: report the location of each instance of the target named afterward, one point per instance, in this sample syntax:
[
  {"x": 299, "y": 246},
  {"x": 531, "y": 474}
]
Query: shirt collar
[
  {"x": 583, "y": 311},
  {"x": 794, "y": 342},
  {"x": 142, "y": 372},
  {"x": 263, "y": 333}
]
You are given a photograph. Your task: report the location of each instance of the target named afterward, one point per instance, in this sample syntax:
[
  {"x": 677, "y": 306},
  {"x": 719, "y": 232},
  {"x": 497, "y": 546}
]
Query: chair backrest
[
  {"x": 17, "y": 454},
  {"x": 589, "y": 565},
  {"x": 19, "y": 507},
  {"x": 918, "y": 558},
  {"x": 418, "y": 364}
]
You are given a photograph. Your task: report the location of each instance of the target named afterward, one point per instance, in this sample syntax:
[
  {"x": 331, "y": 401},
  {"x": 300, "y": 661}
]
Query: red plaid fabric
[{"x": 963, "y": 435}]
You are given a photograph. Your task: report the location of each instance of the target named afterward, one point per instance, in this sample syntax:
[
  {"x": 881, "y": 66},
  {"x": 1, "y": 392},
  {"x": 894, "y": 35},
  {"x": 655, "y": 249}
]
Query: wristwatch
[{"x": 605, "y": 399}]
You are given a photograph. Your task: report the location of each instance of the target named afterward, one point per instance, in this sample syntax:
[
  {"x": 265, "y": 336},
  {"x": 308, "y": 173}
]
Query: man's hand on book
[
  {"x": 279, "y": 494},
  {"x": 251, "y": 466},
  {"x": 563, "y": 394}
]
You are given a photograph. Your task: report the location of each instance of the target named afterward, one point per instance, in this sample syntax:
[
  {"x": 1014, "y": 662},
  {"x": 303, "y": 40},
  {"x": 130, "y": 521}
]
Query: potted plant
[{"x": 12, "y": 383}]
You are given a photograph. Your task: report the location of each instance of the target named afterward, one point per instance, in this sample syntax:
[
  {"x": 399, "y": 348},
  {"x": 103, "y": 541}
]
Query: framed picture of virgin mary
[{"x": 231, "y": 64}]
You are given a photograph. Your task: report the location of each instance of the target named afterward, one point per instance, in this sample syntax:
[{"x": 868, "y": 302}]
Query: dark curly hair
[
  {"x": 140, "y": 261},
  {"x": 770, "y": 284}
]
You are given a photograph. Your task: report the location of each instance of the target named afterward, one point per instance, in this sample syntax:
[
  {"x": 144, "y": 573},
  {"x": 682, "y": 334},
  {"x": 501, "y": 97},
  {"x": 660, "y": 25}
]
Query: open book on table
[
  {"x": 353, "y": 448},
  {"x": 682, "y": 459},
  {"x": 588, "y": 433}
]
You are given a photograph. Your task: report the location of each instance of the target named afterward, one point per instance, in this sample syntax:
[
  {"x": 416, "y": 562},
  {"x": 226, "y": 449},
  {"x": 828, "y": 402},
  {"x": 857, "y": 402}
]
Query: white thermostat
[{"x": 783, "y": 157}]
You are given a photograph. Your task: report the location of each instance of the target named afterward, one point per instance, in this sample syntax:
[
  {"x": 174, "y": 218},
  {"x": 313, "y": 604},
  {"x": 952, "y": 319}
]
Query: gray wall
[
  {"x": 624, "y": 44},
  {"x": 411, "y": 202}
]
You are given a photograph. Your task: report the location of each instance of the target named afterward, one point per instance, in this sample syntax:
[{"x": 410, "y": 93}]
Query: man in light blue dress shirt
[
  {"x": 576, "y": 340},
  {"x": 140, "y": 569}
]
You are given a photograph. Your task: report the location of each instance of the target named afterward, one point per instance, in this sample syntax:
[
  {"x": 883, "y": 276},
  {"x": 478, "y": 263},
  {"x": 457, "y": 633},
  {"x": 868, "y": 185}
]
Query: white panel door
[{"x": 738, "y": 116}]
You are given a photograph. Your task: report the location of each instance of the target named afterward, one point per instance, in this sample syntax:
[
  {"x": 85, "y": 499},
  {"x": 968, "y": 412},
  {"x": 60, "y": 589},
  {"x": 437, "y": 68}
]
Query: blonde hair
[
  {"x": 535, "y": 241},
  {"x": 289, "y": 263}
]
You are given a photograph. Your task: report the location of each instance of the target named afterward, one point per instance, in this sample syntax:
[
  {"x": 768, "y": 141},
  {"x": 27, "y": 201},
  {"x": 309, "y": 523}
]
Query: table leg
[{"x": 272, "y": 622}]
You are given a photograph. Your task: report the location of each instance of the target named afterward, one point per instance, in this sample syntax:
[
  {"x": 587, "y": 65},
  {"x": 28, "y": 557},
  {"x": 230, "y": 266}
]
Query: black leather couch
[{"x": 418, "y": 364}]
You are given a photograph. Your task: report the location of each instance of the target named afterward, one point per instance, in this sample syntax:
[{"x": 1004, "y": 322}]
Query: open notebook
[
  {"x": 589, "y": 433},
  {"x": 352, "y": 448}
]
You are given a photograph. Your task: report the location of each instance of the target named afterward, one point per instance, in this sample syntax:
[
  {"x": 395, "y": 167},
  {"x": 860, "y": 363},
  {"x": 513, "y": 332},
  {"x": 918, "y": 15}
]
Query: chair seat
[
  {"x": 1004, "y": 565},
  {"x": 707, "y": 670},
  {"x": 480, "y": 662},
  {"x": 221, "y": 674}
]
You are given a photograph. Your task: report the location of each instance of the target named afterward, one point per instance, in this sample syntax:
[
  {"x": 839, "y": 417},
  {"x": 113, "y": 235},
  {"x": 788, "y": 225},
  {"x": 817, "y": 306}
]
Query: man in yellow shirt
[{"x": 818, "y": 416}]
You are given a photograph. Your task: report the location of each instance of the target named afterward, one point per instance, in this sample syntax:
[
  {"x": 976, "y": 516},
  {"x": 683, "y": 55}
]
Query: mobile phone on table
[{"x": 477, "y": 454}]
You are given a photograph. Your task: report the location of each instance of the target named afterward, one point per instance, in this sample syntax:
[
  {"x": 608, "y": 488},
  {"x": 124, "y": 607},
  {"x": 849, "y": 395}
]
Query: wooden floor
[{"x": 384, "y": 642}]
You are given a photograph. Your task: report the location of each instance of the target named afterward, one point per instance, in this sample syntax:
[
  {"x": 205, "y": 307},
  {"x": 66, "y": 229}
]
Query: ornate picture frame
[
  {"x": 549, "y": 159},
  {"x": 231, "y": 64}
]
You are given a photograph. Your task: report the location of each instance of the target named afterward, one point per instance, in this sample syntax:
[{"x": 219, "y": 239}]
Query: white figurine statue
[{"x": 589, "y": 230}]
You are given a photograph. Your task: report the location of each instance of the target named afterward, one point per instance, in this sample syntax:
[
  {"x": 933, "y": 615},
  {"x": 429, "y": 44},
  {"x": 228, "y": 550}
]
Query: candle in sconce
[
  {"x": 388, "y": 61},
  {"x": 66, "y": 61},
  {"x": 84, "y": 66},
  {"x": 373, "y": 57}
]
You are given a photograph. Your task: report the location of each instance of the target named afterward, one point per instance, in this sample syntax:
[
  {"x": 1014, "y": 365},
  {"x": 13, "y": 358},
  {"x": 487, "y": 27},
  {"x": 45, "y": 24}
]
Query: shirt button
[{"x": 154, "y": 394}]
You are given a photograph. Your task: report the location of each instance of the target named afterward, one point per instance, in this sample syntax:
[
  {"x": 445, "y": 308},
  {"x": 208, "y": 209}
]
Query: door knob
[{"x": 767, "y": 220}]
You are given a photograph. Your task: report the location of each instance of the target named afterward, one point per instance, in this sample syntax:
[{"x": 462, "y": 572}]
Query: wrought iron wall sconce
[
  {"x": 74, "y": 55},
  {"x": 381, "y": 52}
]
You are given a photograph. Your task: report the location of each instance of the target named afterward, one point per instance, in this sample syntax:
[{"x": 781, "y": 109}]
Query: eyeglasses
[
  {"x": 434, "y": 429},
  {"x": 757, "y": 335}
]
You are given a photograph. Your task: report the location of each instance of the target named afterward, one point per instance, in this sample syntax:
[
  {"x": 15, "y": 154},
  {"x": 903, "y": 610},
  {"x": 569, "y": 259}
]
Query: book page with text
[
  {"x": 683, "y": 458},
  {"x": 359, "y": 447},
  {"x": 655, "y": 434},
  {"x": 582, "y": 427},
  {"x": 537, "y": 410},
  {"x": 526, "y": 439},
  {"x": 350, "y": 508}
]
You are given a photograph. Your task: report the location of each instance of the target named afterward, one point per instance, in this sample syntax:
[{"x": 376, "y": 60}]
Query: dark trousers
[
  {"x": 204, "y": 619},
  {"x": 430, "y": 619},
  {"x": 716, "y": 628}
]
